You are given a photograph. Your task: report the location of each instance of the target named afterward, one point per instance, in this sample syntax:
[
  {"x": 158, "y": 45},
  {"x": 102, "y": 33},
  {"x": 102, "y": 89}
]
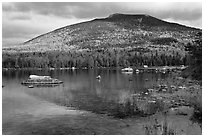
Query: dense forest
[
  {"x": 195, "y": 51},
  {"x": 92, "y": 59}
]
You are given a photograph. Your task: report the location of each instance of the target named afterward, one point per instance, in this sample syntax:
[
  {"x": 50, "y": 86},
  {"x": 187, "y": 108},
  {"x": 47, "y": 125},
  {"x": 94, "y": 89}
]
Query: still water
[{"x": 80, "y": 89}]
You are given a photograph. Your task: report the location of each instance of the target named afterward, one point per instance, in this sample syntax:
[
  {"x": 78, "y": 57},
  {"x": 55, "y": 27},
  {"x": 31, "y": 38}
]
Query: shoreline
[
  {"x": 111, "y": 68},
  {"x": 67, "y": 121}
]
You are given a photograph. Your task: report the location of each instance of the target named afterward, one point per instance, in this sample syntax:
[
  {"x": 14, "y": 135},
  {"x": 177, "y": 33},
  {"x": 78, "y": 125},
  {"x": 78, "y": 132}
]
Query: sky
[{"x": 22, "y": 21}]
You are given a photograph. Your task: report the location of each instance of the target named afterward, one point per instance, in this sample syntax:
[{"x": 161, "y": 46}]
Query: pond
[{"x": 80, "y": 89}]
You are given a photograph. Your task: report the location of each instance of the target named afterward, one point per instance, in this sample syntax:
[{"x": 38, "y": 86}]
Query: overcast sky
[{"x": 23, "y": 21}]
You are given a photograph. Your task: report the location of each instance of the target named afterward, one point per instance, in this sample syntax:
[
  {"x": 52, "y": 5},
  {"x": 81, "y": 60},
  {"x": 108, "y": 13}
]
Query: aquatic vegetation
[{"x": 156, "y": 128}]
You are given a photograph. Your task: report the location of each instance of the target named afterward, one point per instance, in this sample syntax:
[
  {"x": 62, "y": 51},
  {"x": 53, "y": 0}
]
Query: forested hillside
[{"x": 116, "y": 41}]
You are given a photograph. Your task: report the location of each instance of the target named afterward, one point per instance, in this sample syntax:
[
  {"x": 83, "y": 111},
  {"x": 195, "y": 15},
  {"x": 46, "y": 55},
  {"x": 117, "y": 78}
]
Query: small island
[{"x": 41, "y": 80}]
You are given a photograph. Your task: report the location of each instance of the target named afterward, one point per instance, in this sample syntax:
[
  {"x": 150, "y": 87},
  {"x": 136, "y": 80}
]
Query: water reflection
[{"x": 81, "y": 89}]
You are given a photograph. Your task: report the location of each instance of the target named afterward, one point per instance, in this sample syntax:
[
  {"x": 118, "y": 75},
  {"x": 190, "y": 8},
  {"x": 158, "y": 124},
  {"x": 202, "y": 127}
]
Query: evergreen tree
[{"x": 195, "y": 51}]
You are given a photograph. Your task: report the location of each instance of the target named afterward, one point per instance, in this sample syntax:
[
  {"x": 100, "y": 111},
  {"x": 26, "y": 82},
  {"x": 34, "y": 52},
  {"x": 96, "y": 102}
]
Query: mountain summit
[
  {"x": 116, "y": 30},
  {"x": 143, "y": 20}
]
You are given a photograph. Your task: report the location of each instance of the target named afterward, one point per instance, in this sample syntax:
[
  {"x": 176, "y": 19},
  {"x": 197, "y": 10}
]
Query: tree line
[{"x": 92, "y": 59}]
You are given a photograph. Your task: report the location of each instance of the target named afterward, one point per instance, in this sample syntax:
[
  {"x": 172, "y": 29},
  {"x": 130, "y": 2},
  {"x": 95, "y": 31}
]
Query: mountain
[
  {"x": 115, "y": 31},
  {"x": 120, "y": 40}
]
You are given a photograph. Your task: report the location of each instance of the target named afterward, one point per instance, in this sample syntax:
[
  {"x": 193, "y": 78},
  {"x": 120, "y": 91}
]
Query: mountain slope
[{"x": 117, "y": 30}]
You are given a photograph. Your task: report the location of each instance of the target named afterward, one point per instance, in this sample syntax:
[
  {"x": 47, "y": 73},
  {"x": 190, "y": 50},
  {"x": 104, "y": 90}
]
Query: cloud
[
  {"x": 20, "y": 17},
  {"x": 178, "y": 10},
  {"x": 24, "y": 20}
]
